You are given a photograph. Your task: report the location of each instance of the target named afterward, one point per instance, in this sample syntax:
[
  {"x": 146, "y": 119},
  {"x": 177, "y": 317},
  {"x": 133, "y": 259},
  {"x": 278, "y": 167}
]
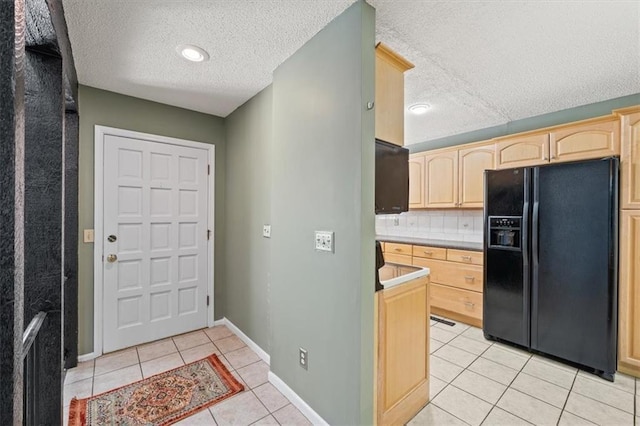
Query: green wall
[
  {"x": 244, "y": 297},
  {"x": 100, "y": 107},
  {"x": 323, "y": 179}
]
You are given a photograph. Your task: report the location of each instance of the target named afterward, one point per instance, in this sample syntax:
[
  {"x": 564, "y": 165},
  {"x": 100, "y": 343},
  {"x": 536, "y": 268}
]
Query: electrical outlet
[
  {"x": 396, "y": 221},
  {"x": 266, "y": 231},
  {"x": 88, "y": 236},
  {"x": 324, "y": 241},
  {"x": 303, "y": 358}
]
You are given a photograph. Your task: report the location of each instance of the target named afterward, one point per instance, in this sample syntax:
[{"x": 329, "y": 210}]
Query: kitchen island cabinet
[
  {"x": 457, "y": 284},
  {"x": 456, "y": 277},
  {"x": 402, "y": 356}
]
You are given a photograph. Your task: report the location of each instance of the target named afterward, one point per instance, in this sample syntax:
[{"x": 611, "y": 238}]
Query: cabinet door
[
  {"x": 441, "y": 171},
  {"x": 629, "y": 297},
  {"x": 473, "y": 163},
  {"x": 402, "y": 376},
  {"x": 584, "y": 141},
  {"x": 416, "y": 181},
  {"x": 631, "y": 161},
  {"x": 389, "y": 105},
  {"x": 522, "y": 151}
]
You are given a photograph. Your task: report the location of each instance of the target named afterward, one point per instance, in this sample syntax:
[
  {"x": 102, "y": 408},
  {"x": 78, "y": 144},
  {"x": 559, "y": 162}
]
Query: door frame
[{"x": 98, "y": 283}]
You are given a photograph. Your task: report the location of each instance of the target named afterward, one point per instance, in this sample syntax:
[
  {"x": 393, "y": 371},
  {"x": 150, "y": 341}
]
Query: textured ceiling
[
  {"x": 479, "y": 64},
  {"x": 130, "y": 46}
]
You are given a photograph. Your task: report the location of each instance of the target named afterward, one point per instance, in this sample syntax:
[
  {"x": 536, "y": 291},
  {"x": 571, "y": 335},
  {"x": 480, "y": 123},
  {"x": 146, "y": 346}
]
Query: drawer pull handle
[
  {"x": 469, "y": 304},
  {"x": 468, "y": 278},
  {"x": 397, "y": 249},
  {"x": 428, "y": 253},
  {"x": 466, "y": 258}
]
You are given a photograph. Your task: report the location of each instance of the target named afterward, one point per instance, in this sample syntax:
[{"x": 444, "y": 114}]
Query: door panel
[
  {"x": 574, "y": 293},
  {"x": 442, "y": 179},
  {"x": 473, "y": 163},
  {"x": 506, "y": 296},
  {"x": 629, "y": 325},
  {"x": 155, "y": 211},
  {"x": 521, "y": 151},
  {"x": 630, "y": 161},
  {"x": 416, "y": 181},
  {"x": 584, "y": 141}
]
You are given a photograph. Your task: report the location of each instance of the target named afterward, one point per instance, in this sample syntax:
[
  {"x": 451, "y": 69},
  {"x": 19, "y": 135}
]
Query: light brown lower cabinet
[
  {"x": 456, "y": 285},
  {"x": 629, "y": 297},
  {"x": 402, "y": 356}
]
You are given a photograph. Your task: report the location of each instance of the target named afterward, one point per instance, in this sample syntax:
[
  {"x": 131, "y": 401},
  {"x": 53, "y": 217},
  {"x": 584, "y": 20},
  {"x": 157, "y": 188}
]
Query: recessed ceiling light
[
  {"x": 192, "y": 53},
  {"x": 419, "y": 108}
]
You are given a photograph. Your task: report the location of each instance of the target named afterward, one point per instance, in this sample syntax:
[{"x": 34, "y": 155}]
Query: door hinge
[
  {"x": 208, "y": 234},
  {"x": 207, "y": 300},
  {"x": 208, "y": 169}
]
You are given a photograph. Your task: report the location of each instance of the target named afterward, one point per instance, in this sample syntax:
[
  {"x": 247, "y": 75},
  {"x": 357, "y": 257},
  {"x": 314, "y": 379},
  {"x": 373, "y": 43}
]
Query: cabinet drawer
[
  {"x": 467, "y": 277},
  {"x": 463, "y": 302},
  {"x": 397, "y": 248},
  {"x": 465, "y": 256},
  {"x": 402, "y": 259},
  {"x": 430, "y": 252}
]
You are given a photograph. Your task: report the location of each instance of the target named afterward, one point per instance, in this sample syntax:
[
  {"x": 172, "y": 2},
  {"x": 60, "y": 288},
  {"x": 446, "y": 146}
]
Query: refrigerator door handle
[
  {"x": 526, "y": 284},
  {"x": 535, "y": 252}
]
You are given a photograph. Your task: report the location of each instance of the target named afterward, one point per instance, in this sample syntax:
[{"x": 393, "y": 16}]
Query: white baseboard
[
  {"x": 304, "y": 408},
  {"x": 257, "y": 349},
  {"x": 87, "y": 357}
]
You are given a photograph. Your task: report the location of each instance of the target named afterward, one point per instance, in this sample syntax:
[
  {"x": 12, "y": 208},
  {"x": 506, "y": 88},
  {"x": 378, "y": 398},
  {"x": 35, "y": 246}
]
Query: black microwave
[{"x": 392, "y": 178}]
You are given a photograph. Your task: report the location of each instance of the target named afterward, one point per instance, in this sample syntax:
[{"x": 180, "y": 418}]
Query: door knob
[{"x": 112, "y": 258}]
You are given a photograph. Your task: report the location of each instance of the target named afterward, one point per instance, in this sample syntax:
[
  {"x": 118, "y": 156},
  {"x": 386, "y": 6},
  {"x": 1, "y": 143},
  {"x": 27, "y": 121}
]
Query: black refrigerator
[{"x": 551, "y": 256}]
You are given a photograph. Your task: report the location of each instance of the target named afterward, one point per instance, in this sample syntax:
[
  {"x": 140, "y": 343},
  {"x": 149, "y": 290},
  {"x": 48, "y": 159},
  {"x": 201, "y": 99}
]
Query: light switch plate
[
  {"x": 266, "y": 231},
  {"x": 324, "y": 241},
  {"x": 88, "y": 236}
]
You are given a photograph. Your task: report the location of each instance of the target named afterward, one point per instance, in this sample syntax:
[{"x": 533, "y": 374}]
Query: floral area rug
[{"x": 162, "y": 399}]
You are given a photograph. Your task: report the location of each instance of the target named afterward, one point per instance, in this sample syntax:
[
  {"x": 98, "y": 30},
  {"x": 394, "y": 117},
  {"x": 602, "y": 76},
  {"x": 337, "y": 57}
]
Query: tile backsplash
[{"x": 452, "y": 225}]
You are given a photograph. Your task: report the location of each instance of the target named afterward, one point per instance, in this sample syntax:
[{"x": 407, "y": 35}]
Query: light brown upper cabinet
[
  {"x": 630, "y": 158},
  {"x": 473, "y": 162},
  {"x": 389, "y": 103},
  {"x": 450, "y": 177},
  {"x": 584, "y": 140},
  {"x": 629, "y": 297},
  {"x": 441, "y": 174},
  {"x": 522, "y": 151},
  {"x": 416, "y": 181}
]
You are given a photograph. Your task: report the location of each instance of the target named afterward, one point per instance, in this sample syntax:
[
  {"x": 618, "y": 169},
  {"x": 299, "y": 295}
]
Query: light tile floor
[
  {"x": 475, "y": 381},
  {"x": 260, "y": 404}
]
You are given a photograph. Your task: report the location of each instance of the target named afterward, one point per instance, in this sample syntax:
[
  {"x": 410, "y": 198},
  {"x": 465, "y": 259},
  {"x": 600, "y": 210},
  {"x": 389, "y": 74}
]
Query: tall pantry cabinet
[{"x": 629, "y": 287}]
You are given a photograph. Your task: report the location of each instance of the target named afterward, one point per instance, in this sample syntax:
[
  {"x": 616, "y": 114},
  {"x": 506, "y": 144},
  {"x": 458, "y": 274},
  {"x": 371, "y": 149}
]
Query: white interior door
[{"x": 155, "y": 223}]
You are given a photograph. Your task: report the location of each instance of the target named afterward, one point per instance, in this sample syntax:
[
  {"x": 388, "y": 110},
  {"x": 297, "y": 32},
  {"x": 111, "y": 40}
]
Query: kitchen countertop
[
  {"x": 401, "y": 274},
  {"x": 461, "y": 245}
]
